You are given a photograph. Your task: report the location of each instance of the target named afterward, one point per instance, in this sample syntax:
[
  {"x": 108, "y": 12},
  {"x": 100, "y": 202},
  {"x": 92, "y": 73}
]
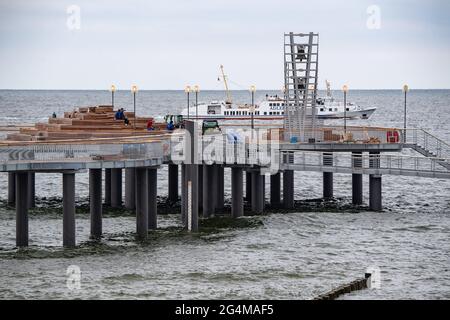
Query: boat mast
[{"x": 226, "y": 85}]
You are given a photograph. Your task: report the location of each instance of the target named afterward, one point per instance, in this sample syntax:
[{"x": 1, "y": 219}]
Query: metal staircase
[
  {"x": 428, "y": 145},
  {"x": 301, "y": 53}
]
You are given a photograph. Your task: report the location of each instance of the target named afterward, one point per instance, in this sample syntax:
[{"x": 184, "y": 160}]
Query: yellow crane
[{"x": 224, "y": 77}]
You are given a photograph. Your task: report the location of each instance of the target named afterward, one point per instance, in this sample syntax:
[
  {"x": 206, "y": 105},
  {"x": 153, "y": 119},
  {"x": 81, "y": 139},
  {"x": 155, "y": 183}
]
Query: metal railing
[
  {"x": 383, "y": 162},
  {"x": 426, "y": 143}
]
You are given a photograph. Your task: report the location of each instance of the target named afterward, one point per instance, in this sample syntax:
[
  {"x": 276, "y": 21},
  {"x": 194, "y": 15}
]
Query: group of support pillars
[
  {"x": 140, "y": 194},
  {"x": 202, "y": 188},
  {"x": 375, "y": 185}
]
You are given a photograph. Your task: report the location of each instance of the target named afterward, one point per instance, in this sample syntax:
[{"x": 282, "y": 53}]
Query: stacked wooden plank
[{"x": 87, "y": 123}]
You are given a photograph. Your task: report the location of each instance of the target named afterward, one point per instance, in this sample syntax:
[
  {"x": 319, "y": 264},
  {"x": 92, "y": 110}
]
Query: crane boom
[{"x": 228, "y": 100}]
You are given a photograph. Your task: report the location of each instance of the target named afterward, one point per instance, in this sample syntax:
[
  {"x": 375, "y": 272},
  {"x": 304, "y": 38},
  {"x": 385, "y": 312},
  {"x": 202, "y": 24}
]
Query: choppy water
[{"x": 295, "y": 255}]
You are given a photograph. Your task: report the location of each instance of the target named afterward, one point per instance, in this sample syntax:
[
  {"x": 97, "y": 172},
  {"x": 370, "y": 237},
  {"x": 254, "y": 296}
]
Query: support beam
[
  {"x": 11, "y": 188},
  {"x": 288, "y": 189},
  {"x": 116, "y": 188},
  {"x": 214, "y": 180},
  {"x": 328, "y": 176},
  {"x": 192, "y": 197},
  {"x": 31, "y": 190},
  {"x": 141, "y": 181},
  {"x": 21, "y": 209},
  {"x": 357, "y": 179},
  {"x": 248, "y": 186},
  {"x": 173, "y": 182},
  {"x": 152, "y": 197},
  {"x": 108, "y": 187},
  {"x": 257, "y": 192},
  {"x": 220, "y": 188},
  {"x": 275, "y": 190},
  {"x": 375, "y": 196},
  {"x": 183, "y": 194},
  {"x": 95, "y": 202},
  {"x": 200, "y": 186},
  {"x": 130, "y": 193},
  {"x": 69, "y": 209},
  {"x": 237, "y": 192},
  {"x": 208, "y": 205}
]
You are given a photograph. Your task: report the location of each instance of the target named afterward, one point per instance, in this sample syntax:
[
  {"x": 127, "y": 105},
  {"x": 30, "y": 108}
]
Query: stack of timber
[{"x": 84, "y": 123}]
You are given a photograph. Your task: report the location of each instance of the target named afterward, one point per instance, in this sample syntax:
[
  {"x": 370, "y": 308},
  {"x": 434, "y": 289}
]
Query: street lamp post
[
  {"x": 252, "y": 90},
  {"x": 187, "y": 90},
  {"x": 196, "y": 90},
  {"x": 345, "y": 90},
  {"x": 134, "y": 89},
  {"x": 113, "y": 89},
  {"x": 405, "y": 91}
]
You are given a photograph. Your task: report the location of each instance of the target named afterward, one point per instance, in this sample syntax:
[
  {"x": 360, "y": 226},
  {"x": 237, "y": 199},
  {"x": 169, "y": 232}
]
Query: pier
[{"x": 196, "y": 163}]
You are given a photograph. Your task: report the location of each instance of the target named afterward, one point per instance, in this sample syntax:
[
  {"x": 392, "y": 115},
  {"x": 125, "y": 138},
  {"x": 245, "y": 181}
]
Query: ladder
[{"x": 301, "y": 53}]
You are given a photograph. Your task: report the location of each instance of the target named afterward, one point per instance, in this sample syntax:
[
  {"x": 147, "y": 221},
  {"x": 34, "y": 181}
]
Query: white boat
[{"x": 272, "y": 108}]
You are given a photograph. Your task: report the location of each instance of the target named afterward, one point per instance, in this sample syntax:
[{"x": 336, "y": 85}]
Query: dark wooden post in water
[
  {"x": 116, "y": 188},
  {"x": 328, "y": 176},
  {"x": 31, "y": 190},
  {"x": 183, "y": 194},
  {"x": 275, "y": 190},
  {"x": 68, "y": 209},
  {"x": 95, "y": 202},
  {"x": 141, "y": 181},
  {"x": 357, "y": 179},
  {"x": 200, "y": 187},
  {"x": 21, "y": 208},
  {"x": 288, "y": 189},
  {"x": 11, "y": 188},
  {"x": 130, "y": 185},
  {"x": 375, "y": 198},
  {"x": 257, "y": 192},
  {"x": 108, "y": 187},
  {"x": 173, "y": 182},
  {"x": 152, "y": 185},
  {"x": 237, "y": 190}
]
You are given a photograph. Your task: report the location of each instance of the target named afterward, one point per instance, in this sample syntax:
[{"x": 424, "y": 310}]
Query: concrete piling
[
  {"x": 328, "y": 176},
  {"x": 95, "y": 202},
  {"x": 152, "y": 198},
  {"x": 21, "y": 208},
  {"x": 116, "y": 188},
  {"x": 11, "y": 188},
  {"x": 141, "y": 181},
  {"x": 173, "y": 182},
  {"x": 288, "y": 189},
  {"x": 357, "y": 179},
  {"x": 237, "y": 197},
  {"x": 183, "y": 194},
  {"x": 257, "y": 192},
  {"x": 248, "y": 186},
  {"x": 108, "y": 187},
  {"x": 220, "y": 188},
  {"x": 275, "y": 191},
  {"x": 208, "y": 191},
  {"x": 375, "y": 196},
  {"x": 31, "y": 190},
  {"x": 192, "y": 197},
  {"x": 69, "y": 209},
  {"x": 130, "y": 193},
  {"x": 200, "y": 186}
]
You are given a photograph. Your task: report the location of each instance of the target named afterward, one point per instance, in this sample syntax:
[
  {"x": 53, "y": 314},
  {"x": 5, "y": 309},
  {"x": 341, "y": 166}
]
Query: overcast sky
[{"x": 168, "y": 44}]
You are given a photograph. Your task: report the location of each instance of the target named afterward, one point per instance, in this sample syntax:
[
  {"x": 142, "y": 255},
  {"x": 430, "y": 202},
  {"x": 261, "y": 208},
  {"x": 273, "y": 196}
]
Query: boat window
[
  {"x": 330, "y": 109},
  {"x": 270, "y": 104},
  {"x": 348, "y": 109},
  {"x": 335, "y": 109},
  {"x": 265, "y": 113},
  {"x": 321, "y": 109},
  {"x": 245, "y": 112},
  {"x": 226, "y": 112}
]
